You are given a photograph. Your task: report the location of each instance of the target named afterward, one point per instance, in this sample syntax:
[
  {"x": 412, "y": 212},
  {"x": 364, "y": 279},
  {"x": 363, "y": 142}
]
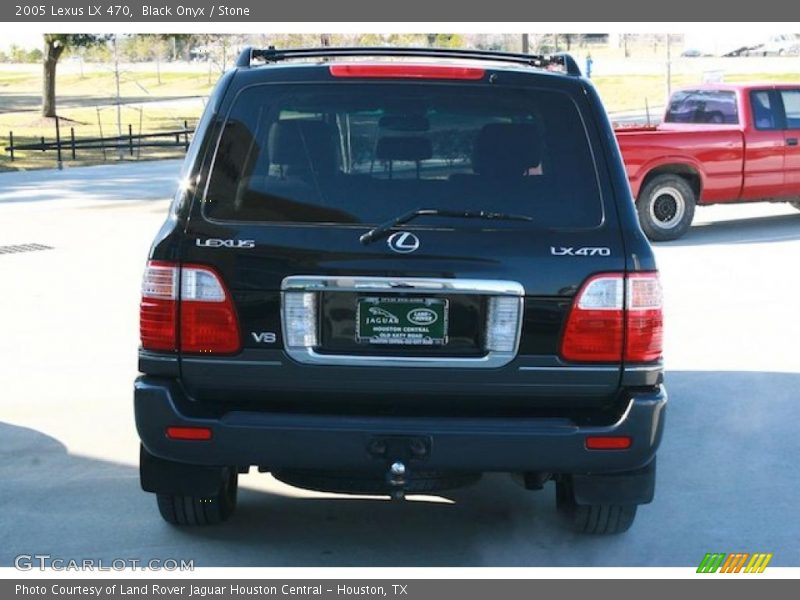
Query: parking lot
[{"x": 728, "y": 468}]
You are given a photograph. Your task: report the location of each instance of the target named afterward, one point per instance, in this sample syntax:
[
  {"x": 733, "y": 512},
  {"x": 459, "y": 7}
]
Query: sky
[{"x": 25, "y": 39}]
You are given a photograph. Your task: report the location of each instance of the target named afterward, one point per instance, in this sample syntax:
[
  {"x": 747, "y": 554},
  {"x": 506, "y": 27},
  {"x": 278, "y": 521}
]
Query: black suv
[{"x": 389, "y": 271}]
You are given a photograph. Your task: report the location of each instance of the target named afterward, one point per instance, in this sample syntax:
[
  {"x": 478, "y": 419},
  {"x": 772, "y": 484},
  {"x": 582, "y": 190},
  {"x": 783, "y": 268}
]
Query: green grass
[
  {"x": 137, "y": 84},
  {"x": 95, "y": 90},
  {"x": 17, "y": 80},
  {"x": 29, "y": 127},
  {"x": 132, "y": 84},
  {"x": 787, "y": 77},
  {"x": 622, "y": 93}
]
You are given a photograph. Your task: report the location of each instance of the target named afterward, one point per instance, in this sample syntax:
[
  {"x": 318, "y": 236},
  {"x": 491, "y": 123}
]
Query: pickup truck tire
[
  {"x": 594, "y": 519},
  {"x": 197, "y": 510},
  {"x": 666, "y": 207}
]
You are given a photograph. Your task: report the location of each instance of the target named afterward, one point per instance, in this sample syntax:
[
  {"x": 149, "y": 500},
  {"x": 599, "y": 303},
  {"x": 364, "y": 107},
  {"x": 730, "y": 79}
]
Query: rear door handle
[{"x": 791, "y": 141}]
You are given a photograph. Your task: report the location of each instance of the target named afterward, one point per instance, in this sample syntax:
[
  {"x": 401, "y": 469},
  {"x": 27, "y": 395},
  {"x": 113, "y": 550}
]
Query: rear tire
[
  {"x": 666, "y": 207},
  {"x": 604, "y": 519},
  {"x": 593, "y": 519},
  {"x": 197, "y": 510}
]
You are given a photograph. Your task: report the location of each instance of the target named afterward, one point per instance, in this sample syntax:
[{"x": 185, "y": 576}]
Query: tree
[
  {"x": 17, "y": 53},
  {"x": 448, "y": 40},
  {"x": 54, "y": 46}
]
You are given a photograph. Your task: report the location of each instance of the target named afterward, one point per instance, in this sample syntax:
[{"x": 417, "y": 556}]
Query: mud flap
[
  {"x": 629, "y": 487},
  {"x": 178, "y": 479}
]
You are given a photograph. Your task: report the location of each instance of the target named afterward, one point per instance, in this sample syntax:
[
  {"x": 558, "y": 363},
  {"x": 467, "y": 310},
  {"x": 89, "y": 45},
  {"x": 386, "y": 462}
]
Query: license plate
[{"x": 402, "y": 320}]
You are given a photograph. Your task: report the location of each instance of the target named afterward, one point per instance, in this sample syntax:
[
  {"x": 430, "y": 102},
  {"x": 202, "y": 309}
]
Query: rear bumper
[{"x": 303, "y": 441}]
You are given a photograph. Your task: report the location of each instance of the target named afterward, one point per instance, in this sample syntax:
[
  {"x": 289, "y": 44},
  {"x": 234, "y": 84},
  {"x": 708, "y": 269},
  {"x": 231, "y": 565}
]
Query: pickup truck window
[
  {"x": 791, "y": 105},
  {"x": 702, "y": 106},
  {"x": 763, "y": 108}
]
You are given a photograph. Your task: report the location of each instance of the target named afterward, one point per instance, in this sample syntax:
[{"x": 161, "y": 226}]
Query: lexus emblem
[{"x": 403, "y": 242}]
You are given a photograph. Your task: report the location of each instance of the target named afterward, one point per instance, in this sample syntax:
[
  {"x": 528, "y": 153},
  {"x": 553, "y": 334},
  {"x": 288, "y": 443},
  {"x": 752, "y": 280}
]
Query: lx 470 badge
[{"x": 585, "y": 251}]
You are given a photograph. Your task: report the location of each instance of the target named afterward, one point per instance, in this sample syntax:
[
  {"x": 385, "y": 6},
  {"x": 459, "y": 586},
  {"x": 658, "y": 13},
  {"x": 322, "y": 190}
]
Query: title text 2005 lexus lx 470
[{"x": 390, "y": 276}]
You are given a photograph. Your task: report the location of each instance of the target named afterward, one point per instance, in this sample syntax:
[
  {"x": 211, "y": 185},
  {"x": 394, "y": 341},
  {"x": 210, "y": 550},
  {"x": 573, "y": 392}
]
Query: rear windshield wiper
[{"x": 381, "y": 230}]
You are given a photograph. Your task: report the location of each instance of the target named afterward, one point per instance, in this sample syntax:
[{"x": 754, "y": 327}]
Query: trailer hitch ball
[{"x": 396, "y": 478}]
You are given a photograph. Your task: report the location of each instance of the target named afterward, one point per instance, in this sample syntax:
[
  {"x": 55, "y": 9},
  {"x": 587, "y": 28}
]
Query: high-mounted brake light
[
  {"x": 405, "y": 71},
  {"x": 615, "y": 318},
  {"x": 208, "y": 322}
]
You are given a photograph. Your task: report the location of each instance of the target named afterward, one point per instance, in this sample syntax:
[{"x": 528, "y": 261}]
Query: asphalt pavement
[{"x": 728, "y": 474}]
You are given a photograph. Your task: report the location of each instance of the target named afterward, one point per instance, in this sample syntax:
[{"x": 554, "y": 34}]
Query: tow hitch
[
  {"x": 396, "y": 478},
  {"x": 399, "y": 452},
  {"x": 399, "y": 466}
]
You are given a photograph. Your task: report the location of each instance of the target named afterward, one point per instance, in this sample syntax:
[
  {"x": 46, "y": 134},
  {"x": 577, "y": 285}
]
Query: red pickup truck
[{"x": 718, "y": 143}]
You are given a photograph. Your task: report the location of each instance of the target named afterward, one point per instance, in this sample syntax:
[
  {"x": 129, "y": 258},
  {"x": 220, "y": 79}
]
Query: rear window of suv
[{"x": 363, "y": 153}]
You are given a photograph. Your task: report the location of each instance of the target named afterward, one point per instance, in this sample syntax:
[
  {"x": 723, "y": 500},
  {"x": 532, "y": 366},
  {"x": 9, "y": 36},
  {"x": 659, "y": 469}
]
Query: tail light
[
  {"x": 158, "y": 311},
  {"x": 187, "y": 308},
  {"x": 644, "y": 330},
  {"x": 615, "y": 318},
  {"x": 208, "y": 319}
]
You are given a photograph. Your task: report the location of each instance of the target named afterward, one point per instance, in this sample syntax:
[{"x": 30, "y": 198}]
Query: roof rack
[{"x": 541, "y": 61}]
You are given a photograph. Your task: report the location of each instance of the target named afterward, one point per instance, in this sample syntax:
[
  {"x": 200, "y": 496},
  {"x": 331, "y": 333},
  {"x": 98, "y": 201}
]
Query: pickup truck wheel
[
  {"x": 196, "y": 510},
  {"x": 595, "y": 519},
  {"x": 666, "y": 207}
]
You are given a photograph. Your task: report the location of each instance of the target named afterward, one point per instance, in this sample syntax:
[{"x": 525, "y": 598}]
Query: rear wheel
[
  {"x": 596, "y": 519},
  {"x": 666, "y": 207},
  {"x": 201, "y": 510}
]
